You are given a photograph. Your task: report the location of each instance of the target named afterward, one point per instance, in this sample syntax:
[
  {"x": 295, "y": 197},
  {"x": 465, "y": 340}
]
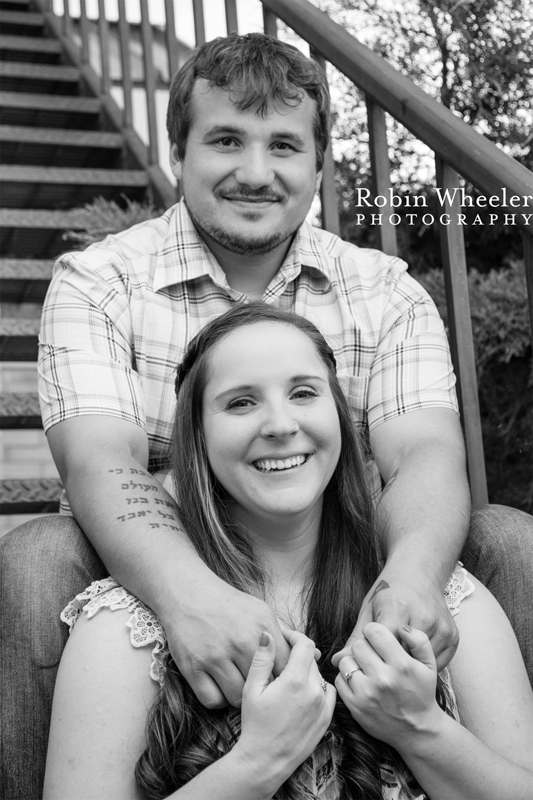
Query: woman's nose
[{"x": 279, "y": 424}]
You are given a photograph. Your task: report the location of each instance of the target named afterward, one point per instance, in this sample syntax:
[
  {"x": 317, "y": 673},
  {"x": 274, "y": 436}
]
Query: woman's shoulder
[{"x": 142, "y": 624}]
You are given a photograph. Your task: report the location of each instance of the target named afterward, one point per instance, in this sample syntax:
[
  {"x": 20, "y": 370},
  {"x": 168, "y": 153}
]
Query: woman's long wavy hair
[{"x": 183, "y": 737}]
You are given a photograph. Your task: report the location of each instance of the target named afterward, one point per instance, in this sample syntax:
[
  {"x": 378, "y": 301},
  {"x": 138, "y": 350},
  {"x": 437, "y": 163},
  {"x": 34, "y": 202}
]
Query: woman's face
[{"x": 270, "y": 422}]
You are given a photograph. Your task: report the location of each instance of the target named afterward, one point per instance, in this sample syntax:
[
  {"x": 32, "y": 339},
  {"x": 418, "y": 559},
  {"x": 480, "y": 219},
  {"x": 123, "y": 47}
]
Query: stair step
[
  {"x": 56, "y": 136},
  {"x": 24, "y": 232},
  {"x": 52, "y": 72},
  {"x": 59, "y": 148},
  {"x": 38, "y": 187},
  {"x": 18, "y": 339},
  {"x": 37, "y": 496},
  {"x": 20, "y": 410},
  {"x": 26, "y": 48},
  {"x": 29, "y": 20},
  {"x": 49, "y": 110},
  {"x": 25, "y": 280}
]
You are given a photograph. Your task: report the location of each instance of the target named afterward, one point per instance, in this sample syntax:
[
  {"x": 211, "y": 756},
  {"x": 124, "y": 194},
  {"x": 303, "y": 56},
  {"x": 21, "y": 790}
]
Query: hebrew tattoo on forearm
[
  {"x": 379, "y": 588},
  {"x": 144, "y": 495}
]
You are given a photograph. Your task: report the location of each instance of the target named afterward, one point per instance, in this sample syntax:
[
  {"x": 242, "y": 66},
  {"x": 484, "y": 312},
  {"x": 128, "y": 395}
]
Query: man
[{"x": 248, "y": 121}]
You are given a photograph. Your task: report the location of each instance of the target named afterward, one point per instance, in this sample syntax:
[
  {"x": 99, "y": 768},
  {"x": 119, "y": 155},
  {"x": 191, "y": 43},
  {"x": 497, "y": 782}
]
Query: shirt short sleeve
[
  {"x": 412, "y": 368},
  {"x": 86, "y": 345}
]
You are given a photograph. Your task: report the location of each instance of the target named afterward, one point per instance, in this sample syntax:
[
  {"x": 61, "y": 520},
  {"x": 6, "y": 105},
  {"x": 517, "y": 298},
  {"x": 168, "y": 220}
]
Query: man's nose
[
  {"x": 279, "y": 423},
  {"x": 255, "y": 169}
]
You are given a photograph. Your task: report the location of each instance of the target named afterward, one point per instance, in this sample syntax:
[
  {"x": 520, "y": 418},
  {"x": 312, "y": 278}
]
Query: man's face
[{"x": 248, "y": 180}]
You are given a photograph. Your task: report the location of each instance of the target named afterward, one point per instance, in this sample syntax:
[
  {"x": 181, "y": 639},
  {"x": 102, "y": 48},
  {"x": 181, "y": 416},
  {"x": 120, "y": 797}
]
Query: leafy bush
[
  {"x": 98, "y": 219},
  {"x": 502, "y": 342}
]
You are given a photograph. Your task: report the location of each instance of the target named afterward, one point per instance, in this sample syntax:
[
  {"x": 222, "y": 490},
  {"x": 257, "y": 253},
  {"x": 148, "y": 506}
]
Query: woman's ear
[{"x": 175, "y": 163}]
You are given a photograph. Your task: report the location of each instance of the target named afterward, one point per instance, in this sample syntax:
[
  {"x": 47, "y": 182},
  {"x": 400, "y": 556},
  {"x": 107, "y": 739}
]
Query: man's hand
[
  {"x": 213, "y": 636},
  {"x": 397, "y": 599}
]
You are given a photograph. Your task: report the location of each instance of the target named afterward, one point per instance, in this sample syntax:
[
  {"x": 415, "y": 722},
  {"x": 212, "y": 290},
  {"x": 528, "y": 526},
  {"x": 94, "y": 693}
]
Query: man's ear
[
  {"x": 175, "y": 163},
  {"x": 318, "y": 181}
]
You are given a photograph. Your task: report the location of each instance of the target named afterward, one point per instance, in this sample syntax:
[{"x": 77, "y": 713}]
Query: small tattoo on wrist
[{"x": 379, "y": 588}]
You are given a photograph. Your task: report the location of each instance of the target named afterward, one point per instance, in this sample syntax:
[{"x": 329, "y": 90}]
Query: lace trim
[
  {"x": 458, "y": 587},
  {"x": 145, "y": 627}
]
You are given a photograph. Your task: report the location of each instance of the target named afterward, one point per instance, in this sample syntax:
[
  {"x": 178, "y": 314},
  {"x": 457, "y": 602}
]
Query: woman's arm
[
  {"x": 102, "y": 696},
  {"x": 489, "y": 756}
]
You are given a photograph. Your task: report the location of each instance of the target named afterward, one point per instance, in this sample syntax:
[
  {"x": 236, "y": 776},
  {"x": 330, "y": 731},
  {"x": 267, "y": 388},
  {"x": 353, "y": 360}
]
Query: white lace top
[{"x": 146, "y": 629}]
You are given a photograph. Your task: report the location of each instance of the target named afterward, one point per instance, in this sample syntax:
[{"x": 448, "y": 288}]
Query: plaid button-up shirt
[{"x": 119, "y": 314}]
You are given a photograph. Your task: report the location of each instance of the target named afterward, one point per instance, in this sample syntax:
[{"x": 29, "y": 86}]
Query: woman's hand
[
  {"x": 389, "y": 692},
  {"x": 283, "y": 719}
]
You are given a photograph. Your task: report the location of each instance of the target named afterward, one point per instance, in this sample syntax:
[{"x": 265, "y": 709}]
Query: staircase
[{"x": 59, "y": 149}]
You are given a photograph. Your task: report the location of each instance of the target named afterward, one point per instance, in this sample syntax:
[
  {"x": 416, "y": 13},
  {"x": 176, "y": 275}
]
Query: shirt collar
[{"x": 184, "y": 255}]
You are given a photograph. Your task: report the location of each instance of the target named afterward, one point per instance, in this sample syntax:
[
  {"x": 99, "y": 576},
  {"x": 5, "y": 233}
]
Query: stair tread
[
  {"x": 20, "y": 410},
  {"x": 32, "y": 100},
  {"x": 72, "y": 175},
  {"x": 21, "y": 18},
  {"x": 40, "y": 218},
  {"x": 47, "y": 72},
  {"x": 30, "y": 269},
  {"x": 14, "y": 327},
  {"x": 34, "y": 492},
  {"x": 59, "y": 136},
  {"x": 31, "y": 43}
]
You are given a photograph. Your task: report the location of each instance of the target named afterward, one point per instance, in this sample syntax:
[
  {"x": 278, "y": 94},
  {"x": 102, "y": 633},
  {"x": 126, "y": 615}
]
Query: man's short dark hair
[{"x": 255, "y": 69}]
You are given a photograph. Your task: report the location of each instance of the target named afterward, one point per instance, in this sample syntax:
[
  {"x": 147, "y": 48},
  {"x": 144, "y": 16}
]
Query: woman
[{"x": 270, "y": 485}]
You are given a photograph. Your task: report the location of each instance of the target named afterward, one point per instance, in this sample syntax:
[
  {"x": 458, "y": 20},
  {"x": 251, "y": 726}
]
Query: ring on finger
[
  {"x": 348, "y": 675},
  {"x": 323, "y": 684}
]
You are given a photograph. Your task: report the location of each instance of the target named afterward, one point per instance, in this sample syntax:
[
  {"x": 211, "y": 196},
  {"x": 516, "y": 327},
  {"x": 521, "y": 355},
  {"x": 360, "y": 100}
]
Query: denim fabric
[
  {"x": 499, "y": 552},
  {"x": 44, "y": 563},
  {"x": 48, "y": 561}
]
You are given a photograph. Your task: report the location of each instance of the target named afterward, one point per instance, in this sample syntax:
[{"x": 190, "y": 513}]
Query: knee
[
  {"x": 501, "y": 531},
  {"x": 41, "y": 554}
]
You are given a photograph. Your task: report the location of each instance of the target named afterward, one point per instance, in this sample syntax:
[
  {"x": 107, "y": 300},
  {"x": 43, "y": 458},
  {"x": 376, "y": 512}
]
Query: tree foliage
[{"x": 475, "y": 56}]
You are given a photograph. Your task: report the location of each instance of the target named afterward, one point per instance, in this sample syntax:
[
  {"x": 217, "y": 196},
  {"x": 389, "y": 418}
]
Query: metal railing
[{"x": 459, "y": 152}]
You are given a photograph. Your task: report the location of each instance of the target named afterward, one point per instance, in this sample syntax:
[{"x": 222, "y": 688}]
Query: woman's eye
[
  {"x": 239, "y": 402},
  {"x": 302, "y": 394}
]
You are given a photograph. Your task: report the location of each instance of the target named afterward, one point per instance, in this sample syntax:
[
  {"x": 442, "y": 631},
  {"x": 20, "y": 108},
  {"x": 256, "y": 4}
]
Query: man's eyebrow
[{"x": 218, "y": 130}]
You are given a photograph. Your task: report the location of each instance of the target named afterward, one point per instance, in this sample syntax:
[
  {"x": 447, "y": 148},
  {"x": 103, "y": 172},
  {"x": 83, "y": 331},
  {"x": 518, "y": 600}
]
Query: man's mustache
[{"x": 247, "y": 192}]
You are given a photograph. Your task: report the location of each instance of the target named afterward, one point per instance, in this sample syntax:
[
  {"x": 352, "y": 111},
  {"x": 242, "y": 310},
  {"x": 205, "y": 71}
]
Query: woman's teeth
[{"x": 287, "y": 463}]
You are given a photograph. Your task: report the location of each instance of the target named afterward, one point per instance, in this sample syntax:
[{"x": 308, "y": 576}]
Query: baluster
[
  {"x": 199, "y": 25},
  {"x": 270, "y": 23},
  {"x": 461, "y": 340},
  {"x": 232, "y": 24},
  {"x": 84, "y": 31},
  {"x": 328, "y": 189},
  {"x": 170, "y": 39},
  {"x": 125, "y": 60},
  {"x": 149, "y": 84},
  {"x": 379, "y": 160},
  {"x": 67, "y": 22},
  {"x": 103, "y": 28},
  {"x": 527, "y": 240}
]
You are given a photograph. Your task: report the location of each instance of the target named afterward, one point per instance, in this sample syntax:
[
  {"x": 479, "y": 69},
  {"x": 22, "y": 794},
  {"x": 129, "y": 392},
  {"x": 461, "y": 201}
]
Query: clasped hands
[{"x": 402, "y": 638}]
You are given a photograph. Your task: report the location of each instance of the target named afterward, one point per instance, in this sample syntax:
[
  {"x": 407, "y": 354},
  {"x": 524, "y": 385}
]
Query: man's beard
[{"x": 235, "y": 243}]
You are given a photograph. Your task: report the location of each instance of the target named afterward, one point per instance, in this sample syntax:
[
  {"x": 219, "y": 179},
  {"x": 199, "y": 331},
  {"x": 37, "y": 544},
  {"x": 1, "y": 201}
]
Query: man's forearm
[
  {"x": 133, "y": 524},
  {"x": 424, "y": 513}
]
